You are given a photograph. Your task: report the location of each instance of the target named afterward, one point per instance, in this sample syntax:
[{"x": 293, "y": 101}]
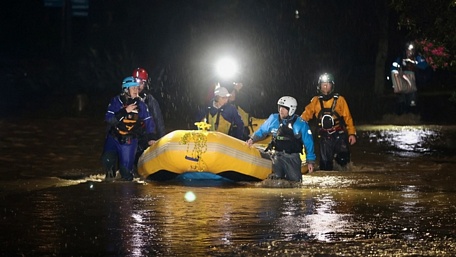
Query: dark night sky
[{"x": 178, "y": 42}]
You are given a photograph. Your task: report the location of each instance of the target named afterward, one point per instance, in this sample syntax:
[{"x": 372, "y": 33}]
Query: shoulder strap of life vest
[
  {"x": 333, "y": 106},
  {"x": 217, "y": 119},
  {"x": 208, "y": 112},
  {"x": 273, "y": 142}
]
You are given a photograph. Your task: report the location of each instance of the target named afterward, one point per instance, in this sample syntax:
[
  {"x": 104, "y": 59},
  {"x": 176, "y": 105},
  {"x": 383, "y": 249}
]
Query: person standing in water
[
  {"x": 142, "y": 77},
  {"x": 336, "y": 128},
  {"x": 126, "y": 115},
  {"x": 404, "y": 71},
  {"x": 290, "y": 136}
]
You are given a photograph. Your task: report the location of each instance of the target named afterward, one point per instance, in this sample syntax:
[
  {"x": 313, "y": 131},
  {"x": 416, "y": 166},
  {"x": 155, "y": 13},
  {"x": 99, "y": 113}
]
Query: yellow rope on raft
[
  {"x": 200, "y": 147},
  {"x": 203, "y": 125}
]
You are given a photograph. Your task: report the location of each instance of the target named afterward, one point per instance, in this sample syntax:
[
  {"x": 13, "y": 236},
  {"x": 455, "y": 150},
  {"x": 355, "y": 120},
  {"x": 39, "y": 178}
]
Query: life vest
[
  {"x": 285, "y": 140},
  {"x": 131, "y": 124},
  {"x": 217, "y": 122},
  {"x": 244, "y": 116},
  {"x": 328, "y": 118}
]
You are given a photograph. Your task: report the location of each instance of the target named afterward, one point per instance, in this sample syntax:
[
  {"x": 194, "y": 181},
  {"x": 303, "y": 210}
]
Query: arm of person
[
  {"x": 243, "y": 98},
  {"x": 421, "y": 64},
  {"x": 236, "y": 120},
  {"x": 310, "y": 109},
  {"x": 263, "y": 130},
  {"x": 308, "y": 142},
  {"x": 239, "y": 126},
  {"x": 396, "y": 65},
  {"x": 148, "y": 122},
  {"x": 345, "y": 112},
  {"x": 202, "y": 113},
  {"x": 155, "y": 112},
  {"x": 116, "y": 112}
]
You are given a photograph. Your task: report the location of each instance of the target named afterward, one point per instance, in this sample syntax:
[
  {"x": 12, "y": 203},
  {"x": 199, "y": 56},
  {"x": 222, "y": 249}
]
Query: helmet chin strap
[
  {"x": 126, "y": 92},
  {"x": 327, "y": 97}
]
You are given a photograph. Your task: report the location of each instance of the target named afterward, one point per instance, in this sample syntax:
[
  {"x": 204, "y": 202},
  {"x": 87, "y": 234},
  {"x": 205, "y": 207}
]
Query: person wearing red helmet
[
  {"x": 141, "y": 74},
  {"x": 142, "y": 77}
]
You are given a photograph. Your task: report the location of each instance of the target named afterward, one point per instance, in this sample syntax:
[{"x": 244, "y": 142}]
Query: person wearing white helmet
[
  {"x": 290, "y": 136},
  {"x": 126, "y": 116},
  {"x": 336, "y": 129},
  {"x": 242, "y": 101}
]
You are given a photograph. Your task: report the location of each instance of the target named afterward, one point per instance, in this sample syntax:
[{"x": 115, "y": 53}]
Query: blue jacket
[
  {"x": 300, "y": 129},
  {"x": 229, "y": 116},
  {"x": 116, "y": 111},
  {"x": 400, "y": 63},
  {"x": 155, "y": 112}
]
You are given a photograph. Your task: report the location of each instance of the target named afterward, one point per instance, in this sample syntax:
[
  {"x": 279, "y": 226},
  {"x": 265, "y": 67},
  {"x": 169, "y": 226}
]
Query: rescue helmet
[
  {"x": 288, "y": 102},
  {"x": 221, "y": 91},
  {"x": 141, "y": 74},
  {"x": 410, "y": 49},
  {"x": 325, "y": 77},
  {"x": 410, "y": 46},
  {"x": 129, "y": 82}
]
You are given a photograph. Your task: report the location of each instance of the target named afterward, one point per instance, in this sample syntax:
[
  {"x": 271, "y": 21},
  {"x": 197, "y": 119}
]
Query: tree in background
[{"x": 433, "y": 25}]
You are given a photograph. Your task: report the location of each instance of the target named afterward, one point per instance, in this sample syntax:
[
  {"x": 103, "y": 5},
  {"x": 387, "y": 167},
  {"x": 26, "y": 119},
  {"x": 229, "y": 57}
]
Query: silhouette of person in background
[{"x": 405, "y": 78}]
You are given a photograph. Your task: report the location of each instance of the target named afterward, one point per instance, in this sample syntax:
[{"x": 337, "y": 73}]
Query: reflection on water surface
[{"x": 398, "y": 199}]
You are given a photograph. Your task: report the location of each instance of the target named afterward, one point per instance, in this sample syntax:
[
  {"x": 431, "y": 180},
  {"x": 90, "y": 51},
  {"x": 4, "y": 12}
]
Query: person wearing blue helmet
[{"x": 127, "y": 116}]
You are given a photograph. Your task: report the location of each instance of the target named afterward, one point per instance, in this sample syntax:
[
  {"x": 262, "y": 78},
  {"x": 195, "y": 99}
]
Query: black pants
[
  {"x": 287, "y": 166},
  {"x": 333, "y": 147},
  {"x": 404, "y": 103}
]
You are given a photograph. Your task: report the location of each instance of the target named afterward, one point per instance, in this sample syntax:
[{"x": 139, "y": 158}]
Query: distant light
[
  {"x": 190, "y": 196},
  {"x": 226, "y": 68}
]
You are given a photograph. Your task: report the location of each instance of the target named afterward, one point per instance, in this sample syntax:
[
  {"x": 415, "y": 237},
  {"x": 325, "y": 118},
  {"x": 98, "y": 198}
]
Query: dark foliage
[{"x": 282, "y": 47}]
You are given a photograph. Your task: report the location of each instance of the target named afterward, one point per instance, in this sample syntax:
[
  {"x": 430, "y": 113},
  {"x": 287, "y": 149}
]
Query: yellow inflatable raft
[{"x": 184, "y": 151}]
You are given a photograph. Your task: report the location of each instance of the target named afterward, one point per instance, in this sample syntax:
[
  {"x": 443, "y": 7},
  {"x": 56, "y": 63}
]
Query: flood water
[{"x": 398, "y": 199}]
